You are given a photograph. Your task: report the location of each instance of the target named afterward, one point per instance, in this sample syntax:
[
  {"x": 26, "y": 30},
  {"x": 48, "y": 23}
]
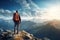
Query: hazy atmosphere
[{"x": 38, "y": 17}]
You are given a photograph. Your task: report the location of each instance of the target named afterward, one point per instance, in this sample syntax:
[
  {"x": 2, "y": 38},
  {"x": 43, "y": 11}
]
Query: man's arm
[{"x": 19, "y": 18}]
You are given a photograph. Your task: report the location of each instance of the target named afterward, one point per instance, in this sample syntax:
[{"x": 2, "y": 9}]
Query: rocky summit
[{"x": 22, "y": 35}]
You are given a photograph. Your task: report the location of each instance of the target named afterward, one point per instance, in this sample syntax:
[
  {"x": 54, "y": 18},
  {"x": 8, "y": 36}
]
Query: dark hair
[{"x": 16, "y": 11}]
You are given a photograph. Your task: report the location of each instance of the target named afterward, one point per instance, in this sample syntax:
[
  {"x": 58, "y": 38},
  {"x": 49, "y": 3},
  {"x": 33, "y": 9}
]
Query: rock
[
  {"x": 17, "y": 37},
  {"x": 22, "y": 35}
]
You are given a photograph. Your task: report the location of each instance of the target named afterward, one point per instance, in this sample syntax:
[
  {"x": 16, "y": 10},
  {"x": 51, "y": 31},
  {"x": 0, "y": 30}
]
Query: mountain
[
  {"x": 55, "y": 23},
  {"x": 5, "y": 24},
  {"x": 48, "y": 29},
  {"x": 22, "y": 35}
]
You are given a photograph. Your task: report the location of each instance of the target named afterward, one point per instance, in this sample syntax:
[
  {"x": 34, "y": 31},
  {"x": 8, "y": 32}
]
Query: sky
[
  {"x": 30, "y": 10},
  {"x": 13, "y": 4},
  {"x": 9, "y": 5}
]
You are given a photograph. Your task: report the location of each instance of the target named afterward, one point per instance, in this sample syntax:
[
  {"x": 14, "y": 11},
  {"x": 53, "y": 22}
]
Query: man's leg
[
  {"x": 14, "y": 28},
  {"x": 17, "y": 28}
]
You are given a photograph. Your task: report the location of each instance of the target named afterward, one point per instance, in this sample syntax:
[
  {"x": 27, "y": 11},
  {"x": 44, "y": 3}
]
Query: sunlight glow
[{"x": 52, "y": 12}]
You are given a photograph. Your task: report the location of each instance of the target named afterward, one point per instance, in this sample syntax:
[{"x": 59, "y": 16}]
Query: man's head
[{"x": 16, "y": 11}]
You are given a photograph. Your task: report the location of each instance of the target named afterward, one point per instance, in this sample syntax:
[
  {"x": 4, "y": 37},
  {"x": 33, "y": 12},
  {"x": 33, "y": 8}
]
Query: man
[{"x": 17, "y": 21}]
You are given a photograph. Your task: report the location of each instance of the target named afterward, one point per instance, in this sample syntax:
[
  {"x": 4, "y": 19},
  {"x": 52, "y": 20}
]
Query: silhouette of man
[{"x": 17, "y": 21}]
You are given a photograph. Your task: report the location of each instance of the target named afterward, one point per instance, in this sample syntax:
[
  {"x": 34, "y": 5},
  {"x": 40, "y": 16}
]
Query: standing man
[{"x": 17, "y": 21}]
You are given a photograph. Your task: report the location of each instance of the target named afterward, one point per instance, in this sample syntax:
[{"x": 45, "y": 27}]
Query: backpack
[{"x": 16, "y": 17}]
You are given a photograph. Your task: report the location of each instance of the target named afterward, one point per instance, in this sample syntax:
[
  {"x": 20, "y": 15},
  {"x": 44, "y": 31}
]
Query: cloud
[
  {"x": 23, "y": 4},
  {"x": 5, "y": 14},
  {"x": 5, "y": 11},
  {"x": 1, "y": 11},
  {"x": 8, "y": 11},
  {"x": 29, "y": 11},
  {"x": 5, "y": 18}
]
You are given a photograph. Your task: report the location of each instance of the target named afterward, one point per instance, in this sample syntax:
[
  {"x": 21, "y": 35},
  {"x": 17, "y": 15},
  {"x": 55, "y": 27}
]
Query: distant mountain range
[{"x": 40, "y": 30}]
